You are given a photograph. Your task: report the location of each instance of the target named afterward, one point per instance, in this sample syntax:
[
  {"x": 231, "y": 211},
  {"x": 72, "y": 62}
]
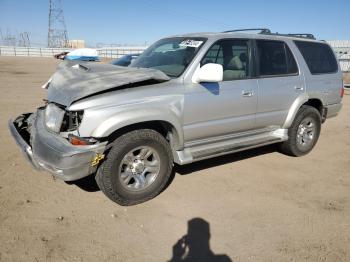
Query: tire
[
  {"x": 137, "y": 167},
  {"x": 303, "y": 133}
]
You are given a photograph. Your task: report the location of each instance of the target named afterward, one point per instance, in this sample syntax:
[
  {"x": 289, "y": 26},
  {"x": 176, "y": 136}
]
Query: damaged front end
[
  {"x": 46, "y": 147},
  {"x": 50, "y": 138},
  {"x": 72, "y": 82}
]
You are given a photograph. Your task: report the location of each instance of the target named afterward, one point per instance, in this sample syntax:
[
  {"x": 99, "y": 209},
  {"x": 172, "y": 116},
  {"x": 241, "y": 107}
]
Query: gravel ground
[{"x": 257, "y": 205}]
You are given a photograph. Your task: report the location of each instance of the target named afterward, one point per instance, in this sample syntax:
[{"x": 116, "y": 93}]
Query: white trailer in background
[
  {"x": 83, "y": 54},
  {"x": 342, "y": 50}
]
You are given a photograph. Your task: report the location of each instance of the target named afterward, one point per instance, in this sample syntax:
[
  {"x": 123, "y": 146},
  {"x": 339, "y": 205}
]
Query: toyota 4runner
[{"x": 186, "y": 98}]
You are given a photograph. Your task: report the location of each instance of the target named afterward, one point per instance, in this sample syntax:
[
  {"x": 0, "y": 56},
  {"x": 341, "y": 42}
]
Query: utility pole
[{"x": 57, "y": 35}]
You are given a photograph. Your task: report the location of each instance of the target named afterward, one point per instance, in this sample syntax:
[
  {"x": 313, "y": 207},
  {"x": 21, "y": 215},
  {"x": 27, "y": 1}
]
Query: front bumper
[{"x": 49, "y": 151}]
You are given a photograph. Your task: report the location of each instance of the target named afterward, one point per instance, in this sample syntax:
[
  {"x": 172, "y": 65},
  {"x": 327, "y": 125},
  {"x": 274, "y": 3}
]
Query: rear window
[
  {"x": 318, "y": 57},
  {"x": 275, "y": 59}
]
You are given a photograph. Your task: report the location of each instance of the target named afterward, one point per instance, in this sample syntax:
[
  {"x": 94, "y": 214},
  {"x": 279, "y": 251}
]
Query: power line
[{"x": 9, "y": 39}]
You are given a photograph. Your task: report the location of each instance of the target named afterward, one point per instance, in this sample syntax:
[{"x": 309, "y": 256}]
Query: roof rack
[
  {"x": 262, "y": 30},
  {"x": 266, "y": 31},
  {"x": 308, "y": 36}
]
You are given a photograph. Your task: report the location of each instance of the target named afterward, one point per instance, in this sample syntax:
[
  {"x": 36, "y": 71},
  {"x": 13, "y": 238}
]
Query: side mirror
[{"x": 208, "y": 73}]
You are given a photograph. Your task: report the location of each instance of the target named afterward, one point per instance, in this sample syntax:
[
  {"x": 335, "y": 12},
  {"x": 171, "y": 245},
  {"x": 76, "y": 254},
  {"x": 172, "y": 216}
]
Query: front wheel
[
  {"x": 303, "y": 133},
  {"x": 137, "y": 168}
]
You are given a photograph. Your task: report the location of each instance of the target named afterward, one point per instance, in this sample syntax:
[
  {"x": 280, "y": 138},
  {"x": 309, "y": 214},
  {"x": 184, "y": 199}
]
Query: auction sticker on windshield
[{"x": 190, "y": 43}]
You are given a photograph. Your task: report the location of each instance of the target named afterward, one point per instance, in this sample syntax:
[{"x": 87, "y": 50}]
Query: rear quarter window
[{"x": 319, "y": 57}]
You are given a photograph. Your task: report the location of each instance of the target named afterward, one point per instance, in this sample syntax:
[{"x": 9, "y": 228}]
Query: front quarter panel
[{"x": 102, "y": 121}]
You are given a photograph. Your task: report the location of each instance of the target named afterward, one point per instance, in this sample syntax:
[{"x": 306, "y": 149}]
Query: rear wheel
[
  {"x": 303, "y": 133},
  {"x": 137, "y": 168}
]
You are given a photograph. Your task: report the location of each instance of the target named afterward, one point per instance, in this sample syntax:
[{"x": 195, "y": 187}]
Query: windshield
[{"x": 170, "y": 55}]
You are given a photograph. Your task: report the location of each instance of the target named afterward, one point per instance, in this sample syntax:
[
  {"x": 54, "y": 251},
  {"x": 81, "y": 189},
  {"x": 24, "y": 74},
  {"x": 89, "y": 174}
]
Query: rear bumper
[
  {"x": 51, "y": 152},
  {"x": 333, "y": 110}
]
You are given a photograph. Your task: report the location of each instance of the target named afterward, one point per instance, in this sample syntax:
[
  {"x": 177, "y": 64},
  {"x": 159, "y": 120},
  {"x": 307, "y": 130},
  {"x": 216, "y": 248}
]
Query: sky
[{"x": 145, "y": 21}]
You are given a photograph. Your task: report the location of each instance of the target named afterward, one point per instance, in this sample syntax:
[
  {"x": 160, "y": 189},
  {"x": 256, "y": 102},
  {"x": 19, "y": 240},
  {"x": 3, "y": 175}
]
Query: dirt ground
[{"x": 258, "y": 205}]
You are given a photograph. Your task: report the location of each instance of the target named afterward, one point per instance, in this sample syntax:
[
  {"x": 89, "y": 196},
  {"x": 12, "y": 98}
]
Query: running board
[{"x": 229, "y": 145}]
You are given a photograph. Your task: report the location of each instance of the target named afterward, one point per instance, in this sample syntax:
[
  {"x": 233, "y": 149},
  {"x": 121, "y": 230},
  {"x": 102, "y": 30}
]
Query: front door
[{"x": 227, "y": 107}]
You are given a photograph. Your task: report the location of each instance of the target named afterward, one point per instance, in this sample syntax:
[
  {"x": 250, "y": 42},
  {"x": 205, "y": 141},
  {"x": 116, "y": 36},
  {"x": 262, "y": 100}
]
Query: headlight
[{"x": 53, "y": 117}]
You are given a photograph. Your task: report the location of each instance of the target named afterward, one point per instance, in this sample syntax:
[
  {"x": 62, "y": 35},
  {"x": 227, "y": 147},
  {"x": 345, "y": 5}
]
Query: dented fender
[{"x": 126, "y": 118}]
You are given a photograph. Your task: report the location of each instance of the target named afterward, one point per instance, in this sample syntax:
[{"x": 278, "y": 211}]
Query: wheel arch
[
  {"x": 167, "y": 123},
  {"x": 166, "y": 129},
  {"x": 316, "y": 103},
  {"x": 298, "y": 103}
]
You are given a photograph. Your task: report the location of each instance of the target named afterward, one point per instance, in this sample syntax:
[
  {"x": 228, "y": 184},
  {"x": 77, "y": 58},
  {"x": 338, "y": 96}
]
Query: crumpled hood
[{"x": 74, "y": 81}]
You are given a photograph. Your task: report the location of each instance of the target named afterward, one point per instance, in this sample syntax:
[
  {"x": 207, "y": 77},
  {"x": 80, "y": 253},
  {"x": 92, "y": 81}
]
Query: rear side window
[
  {"x": 275, "y": 58},
  {"x": 318, "y": 57}
]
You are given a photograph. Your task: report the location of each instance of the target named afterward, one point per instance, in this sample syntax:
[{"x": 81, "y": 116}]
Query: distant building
[
  {"x": 342, "y": 50},
  {"x": 76, "y": 44}
]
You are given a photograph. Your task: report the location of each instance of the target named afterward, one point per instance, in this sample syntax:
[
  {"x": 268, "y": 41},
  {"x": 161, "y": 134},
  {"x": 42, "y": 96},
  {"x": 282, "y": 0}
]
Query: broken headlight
[
  {"x": 53, "y": 117},
  {"x": 57, "y": 119},
  {"x": 71, "y": 120}
]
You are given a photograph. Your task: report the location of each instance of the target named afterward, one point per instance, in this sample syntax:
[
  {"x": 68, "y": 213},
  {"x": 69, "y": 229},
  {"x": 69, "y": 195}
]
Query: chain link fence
[
  {"x": 343, "y": 52},
  {"x": 112, "y": 52}
]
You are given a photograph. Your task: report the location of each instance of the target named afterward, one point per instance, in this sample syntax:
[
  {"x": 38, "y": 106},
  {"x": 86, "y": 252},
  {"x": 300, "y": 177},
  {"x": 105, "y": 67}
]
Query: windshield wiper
[{"x": 171, "y": 75}]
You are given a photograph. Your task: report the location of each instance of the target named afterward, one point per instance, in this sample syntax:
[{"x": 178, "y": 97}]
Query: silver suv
[{"x": 186, "y": 98}]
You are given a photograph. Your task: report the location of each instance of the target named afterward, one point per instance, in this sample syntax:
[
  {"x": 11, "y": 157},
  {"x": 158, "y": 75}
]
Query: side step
[{"x": 218, "y": 147}]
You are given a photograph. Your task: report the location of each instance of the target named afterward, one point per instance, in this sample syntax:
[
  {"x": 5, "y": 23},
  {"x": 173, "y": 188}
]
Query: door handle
[
  {"x": 299, "y": 88},
  {"x": 247, "y": 93}
]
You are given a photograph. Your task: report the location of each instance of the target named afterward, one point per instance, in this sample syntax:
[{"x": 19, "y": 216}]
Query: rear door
[
  {"x": 279, "y": 82},
  {"x": 227, "y": 107}
]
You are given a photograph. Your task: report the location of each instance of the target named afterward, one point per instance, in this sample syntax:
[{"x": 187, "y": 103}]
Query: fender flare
[{"x": 293, "y": 110}]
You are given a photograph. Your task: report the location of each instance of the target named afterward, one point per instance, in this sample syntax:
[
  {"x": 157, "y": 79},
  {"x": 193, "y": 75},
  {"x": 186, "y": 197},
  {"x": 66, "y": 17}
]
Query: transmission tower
[
  {"x": 24, "y": 39},
  {"x": 57, "y": 35},
  {"x": 9, "y": 39}
]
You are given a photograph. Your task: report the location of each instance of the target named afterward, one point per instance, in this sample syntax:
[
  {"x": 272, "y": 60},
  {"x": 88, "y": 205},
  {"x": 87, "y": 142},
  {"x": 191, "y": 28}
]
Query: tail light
[{"x": 342, "y": 92}]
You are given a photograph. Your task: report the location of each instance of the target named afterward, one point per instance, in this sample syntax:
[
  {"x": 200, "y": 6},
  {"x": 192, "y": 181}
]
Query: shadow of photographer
[{"x": 195, "y": 245}]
